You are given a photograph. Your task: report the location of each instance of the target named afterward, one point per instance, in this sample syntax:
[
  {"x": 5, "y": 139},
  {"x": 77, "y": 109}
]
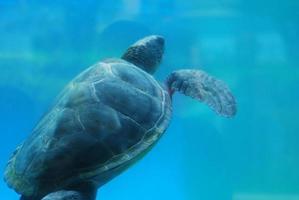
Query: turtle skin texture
[{"x": 106, "y": 118}]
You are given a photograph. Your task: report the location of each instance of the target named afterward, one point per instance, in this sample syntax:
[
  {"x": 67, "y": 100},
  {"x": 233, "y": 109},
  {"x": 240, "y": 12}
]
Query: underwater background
[{"x": 252, "y": 45}]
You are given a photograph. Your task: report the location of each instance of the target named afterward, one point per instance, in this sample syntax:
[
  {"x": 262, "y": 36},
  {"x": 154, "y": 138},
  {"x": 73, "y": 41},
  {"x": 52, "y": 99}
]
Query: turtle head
[{"x": 146, "y": 53}]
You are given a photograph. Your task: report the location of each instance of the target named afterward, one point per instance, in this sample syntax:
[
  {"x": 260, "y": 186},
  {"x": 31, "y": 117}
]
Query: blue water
[{"x": 252, "y": 45}]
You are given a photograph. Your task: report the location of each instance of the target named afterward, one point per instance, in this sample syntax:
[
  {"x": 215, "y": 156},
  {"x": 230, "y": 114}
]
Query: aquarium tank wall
[{"x": 252, "y": 45}]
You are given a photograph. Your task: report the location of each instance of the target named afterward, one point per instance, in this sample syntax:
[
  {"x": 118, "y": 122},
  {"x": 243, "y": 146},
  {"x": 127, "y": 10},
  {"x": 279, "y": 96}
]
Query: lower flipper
[
  {"x": 81, "y": 191},
  {"x": 65, "y": 195},
  {"x": 201, "y": 86},
  {"x": 86, "y": 193}
]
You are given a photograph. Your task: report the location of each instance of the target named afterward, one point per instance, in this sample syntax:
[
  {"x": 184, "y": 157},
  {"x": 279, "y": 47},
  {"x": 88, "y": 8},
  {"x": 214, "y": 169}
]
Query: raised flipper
[{"x": 201, "y": 86}]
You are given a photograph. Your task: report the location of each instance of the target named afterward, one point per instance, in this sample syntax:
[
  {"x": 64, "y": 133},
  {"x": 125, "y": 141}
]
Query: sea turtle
[{"x": 106, "y": 119}]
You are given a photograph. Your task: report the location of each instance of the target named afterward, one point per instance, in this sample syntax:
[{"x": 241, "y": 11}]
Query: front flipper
[{"x": 201, "y": 86}]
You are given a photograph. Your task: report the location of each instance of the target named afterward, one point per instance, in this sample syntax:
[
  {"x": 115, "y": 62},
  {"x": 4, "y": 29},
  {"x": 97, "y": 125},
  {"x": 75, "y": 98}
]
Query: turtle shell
[{"x": 103, "y": 121}]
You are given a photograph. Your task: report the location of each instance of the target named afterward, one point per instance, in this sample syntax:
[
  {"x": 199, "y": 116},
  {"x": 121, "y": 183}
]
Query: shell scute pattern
[
  {"x": 135, "y": 135},
  {"x": 105, "y": 117}
]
